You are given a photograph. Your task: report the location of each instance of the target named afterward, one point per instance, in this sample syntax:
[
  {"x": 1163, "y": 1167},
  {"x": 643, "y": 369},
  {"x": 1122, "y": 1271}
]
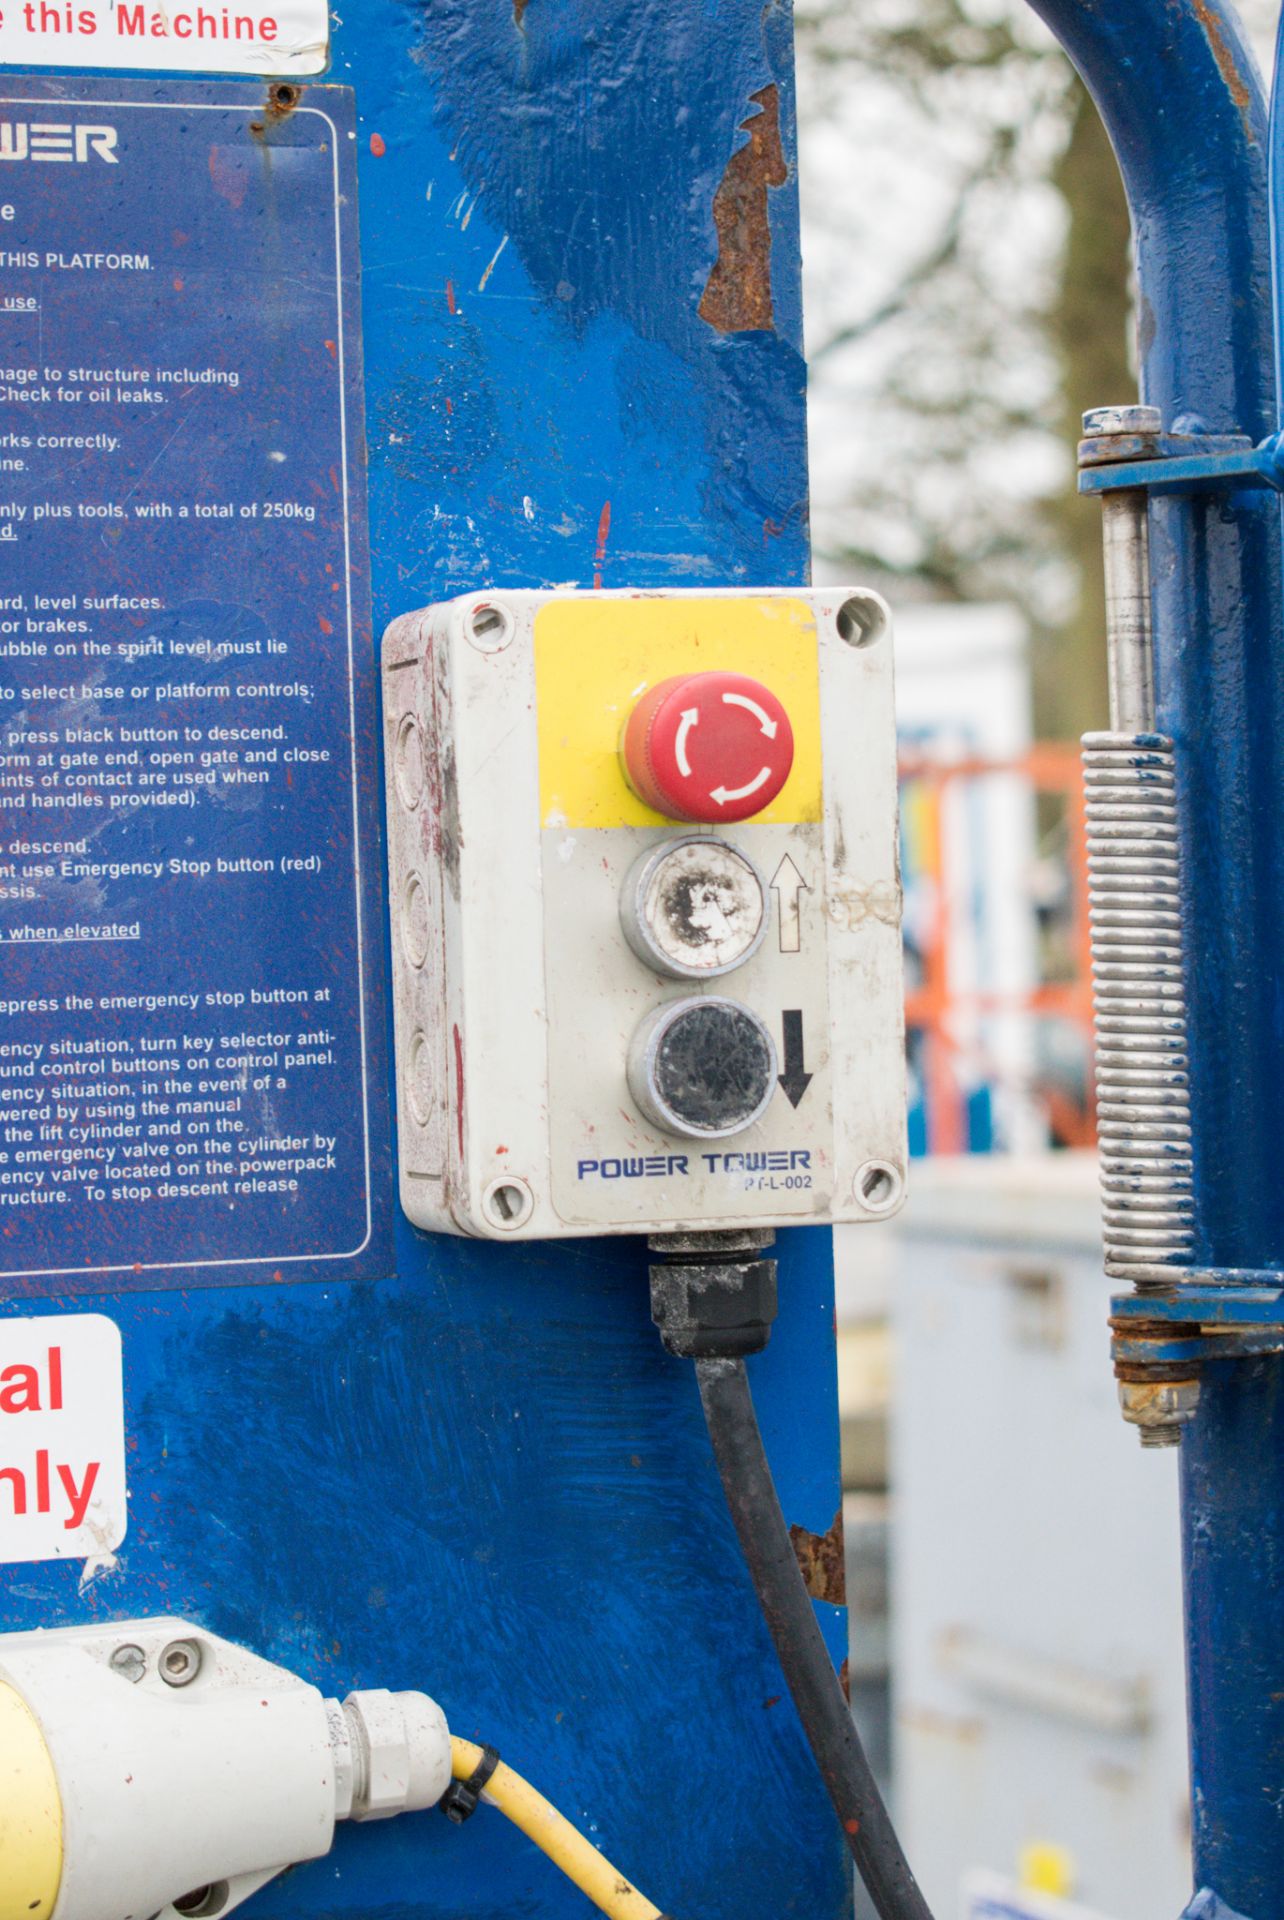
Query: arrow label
[
  {"x": 721, "y": 795},
  {"x": 795, "y": 1079},
  {"x": 788, "y": 885},
  {"x": 690, "y": 718},
  {"x": 768, "y": 725}
]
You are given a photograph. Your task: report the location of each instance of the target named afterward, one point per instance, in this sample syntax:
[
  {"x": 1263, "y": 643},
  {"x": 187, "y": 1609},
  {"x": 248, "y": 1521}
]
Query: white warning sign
[
  {"x": 207, "y": 36},
  {"x": 62, "y": 1438}
]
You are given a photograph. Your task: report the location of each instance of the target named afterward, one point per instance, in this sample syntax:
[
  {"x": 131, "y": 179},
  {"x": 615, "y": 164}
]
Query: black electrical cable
[
  {"x": 800, "y": 1646},
  {"x": 714, "y": 1300}
]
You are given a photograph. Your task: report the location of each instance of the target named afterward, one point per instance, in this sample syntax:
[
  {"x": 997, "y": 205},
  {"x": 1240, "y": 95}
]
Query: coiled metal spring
[{"x": 1143, "y": 1098}]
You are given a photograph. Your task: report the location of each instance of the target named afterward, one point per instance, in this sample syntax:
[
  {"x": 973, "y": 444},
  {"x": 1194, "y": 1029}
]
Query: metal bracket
[
  {"x": 1226, "y": 1300},
  {"x": 1160, "y": 1339},
  {"x": 1149, "y": 1342},
  {"x": 1169, "y": 463}
]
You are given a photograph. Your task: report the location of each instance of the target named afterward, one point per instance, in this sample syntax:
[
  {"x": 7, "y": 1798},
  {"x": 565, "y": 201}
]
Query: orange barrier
[{"x": 934, "y": 1006}]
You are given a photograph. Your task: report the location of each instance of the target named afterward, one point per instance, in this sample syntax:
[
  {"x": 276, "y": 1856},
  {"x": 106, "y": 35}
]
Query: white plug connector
[{"x": 171, "y": 1773}]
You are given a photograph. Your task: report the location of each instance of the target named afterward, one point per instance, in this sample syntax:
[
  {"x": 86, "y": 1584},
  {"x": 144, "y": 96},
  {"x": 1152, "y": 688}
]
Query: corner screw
[
  {"x": 180, "y": 1663},
  {"x": 128, "y": 1661}
]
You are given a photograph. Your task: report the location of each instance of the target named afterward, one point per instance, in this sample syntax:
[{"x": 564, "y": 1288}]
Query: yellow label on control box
[{"x": 594, "y": 659}]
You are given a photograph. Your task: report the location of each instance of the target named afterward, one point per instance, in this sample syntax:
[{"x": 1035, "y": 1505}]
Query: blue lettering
[{"x": 656, "y": 1166}]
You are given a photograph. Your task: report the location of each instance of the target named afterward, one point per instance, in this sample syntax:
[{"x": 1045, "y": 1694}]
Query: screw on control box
[{"x": 646, "y": 911}]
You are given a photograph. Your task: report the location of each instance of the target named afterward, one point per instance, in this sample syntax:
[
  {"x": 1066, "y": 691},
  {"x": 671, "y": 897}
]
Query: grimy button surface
[{"x": 189, "y": 982}]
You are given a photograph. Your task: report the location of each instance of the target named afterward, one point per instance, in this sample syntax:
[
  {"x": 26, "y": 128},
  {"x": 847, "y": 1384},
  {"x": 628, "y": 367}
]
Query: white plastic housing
[
  {"x": 220, "y": 1782},
  {"x": 519, "y": 994}
]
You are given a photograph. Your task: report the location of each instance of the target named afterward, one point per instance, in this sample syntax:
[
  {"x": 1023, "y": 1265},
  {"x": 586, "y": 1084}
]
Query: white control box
[{"x": 645, "y": 911}]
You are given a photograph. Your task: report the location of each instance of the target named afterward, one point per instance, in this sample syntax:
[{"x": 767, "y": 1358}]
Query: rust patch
[
  {"x": 282, "y": 98},
  {"x": 1236, "y": 85},
  {"x": 820, "y": 1556},
  {"x": 737, "y": 295},
  {"x": 519, "y": 12}
]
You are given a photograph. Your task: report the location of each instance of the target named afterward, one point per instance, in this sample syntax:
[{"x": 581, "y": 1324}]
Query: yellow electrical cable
[{"x": 554, "y": 1835}]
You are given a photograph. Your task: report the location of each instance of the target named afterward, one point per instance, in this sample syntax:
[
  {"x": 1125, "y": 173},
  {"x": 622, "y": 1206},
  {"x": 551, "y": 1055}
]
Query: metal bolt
[
  {"x": 1099, "y": 421},
  {"x": 128, "y": 1661},
  {"x": 180, "y": 1663},
  {"x": 1159, "y": 1408}
]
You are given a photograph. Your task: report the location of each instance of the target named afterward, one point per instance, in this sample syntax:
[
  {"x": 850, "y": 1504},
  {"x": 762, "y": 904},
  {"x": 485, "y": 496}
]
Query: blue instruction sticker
[{"x": 191, "y": 1004}]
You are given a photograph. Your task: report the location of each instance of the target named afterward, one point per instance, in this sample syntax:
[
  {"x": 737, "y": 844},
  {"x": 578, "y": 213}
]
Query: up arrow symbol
[{"x": 788, "y": 885}]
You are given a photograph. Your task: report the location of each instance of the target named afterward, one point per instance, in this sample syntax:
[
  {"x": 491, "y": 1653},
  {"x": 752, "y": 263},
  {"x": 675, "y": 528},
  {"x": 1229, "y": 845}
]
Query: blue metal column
[
  {"x": 479, "y": 1474},
  {"x": 1182, "y": 100}
]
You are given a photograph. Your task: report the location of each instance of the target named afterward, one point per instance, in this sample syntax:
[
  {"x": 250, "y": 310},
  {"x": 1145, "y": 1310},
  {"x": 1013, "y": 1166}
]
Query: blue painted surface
[
  {"x": 1184, "y": 106},
  {"x": 483, "y": 1476}
]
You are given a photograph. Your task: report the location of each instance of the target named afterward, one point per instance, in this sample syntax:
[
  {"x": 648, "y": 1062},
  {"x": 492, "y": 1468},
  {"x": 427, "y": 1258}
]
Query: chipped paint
[
  {"x": 1236, "y": 85},
  {"x": 491, "y": 264}
]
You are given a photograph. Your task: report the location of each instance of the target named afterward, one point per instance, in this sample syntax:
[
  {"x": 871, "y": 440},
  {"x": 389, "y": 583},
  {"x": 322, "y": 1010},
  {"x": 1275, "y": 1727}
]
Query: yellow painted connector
[{"x": 30, "y": 1815}]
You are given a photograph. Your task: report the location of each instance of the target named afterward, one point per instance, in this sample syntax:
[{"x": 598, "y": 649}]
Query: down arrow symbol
[{"x": 795, "y": 1079}]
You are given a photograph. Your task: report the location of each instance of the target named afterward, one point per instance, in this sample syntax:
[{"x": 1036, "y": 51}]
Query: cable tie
[{"x": 461, "y": 1798}]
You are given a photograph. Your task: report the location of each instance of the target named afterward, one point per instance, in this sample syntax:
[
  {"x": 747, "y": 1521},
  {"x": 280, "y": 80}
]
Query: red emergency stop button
[{"x": 708, "y": 746}]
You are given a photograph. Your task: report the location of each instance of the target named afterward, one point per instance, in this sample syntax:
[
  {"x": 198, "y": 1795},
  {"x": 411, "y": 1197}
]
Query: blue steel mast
[{"x": 1180, "y": 95}]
